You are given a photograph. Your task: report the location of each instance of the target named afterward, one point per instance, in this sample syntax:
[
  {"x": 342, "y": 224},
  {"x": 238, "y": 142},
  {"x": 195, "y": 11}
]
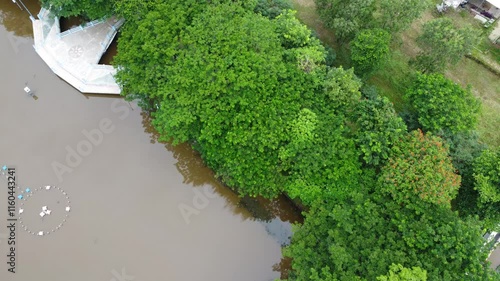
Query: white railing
[{"x": 70, "y": 31}]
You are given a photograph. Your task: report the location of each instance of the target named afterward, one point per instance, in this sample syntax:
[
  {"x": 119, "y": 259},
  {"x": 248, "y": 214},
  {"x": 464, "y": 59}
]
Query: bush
[{"x": 368, "y": 49}]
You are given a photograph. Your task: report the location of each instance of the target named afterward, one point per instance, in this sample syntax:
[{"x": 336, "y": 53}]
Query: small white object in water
[
  {"x": 42, "y": 214},
  {"x": 21, "y": 211},
  {"x": 44, "y": 208},
  {"x": 40, "y": 233},
  {"x": 47, "y": 187},
  {"x": 27, "y": 90},
  {"x": 68, "y": 209},
  {"x": 48, "y": 212}
]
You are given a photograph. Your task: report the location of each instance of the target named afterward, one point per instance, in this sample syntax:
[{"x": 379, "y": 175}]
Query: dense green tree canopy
[
  {"x": 465, "y": 147},
  {"x": 346, "y": 18},
  {"x": 397, "y": 15},
  {"x": 318, "y": 160},
  {"x": 147, "y": 47},
  {"x": 231, "y": 93},
  {"x": 377, "y": 128},
  {"x": 443, "y": 44},
  {"x": 361, "y": 237},
  {"x": 91, "y": 9},
  {"x": 398, "y": 272},
  {"x": 369, "y": 49},
  {"x": 442, "y": 105},
  {"x": 419, "y": 165},
  {"x": 341, "y": 88},
  {"x": 272, "y": 8},
  {"x": 302, "y": 49},
  {"x": 487, "y": 176}
]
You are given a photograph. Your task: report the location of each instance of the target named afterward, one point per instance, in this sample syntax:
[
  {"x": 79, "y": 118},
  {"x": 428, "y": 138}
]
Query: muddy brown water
[{"x": 126, "y": 191}]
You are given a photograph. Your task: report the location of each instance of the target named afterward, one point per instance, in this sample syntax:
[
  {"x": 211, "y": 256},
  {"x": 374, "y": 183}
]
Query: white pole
[{"x": 20, "y": 1}]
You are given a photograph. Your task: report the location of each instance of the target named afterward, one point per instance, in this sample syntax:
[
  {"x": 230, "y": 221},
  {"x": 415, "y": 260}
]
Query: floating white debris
[
  {"x": 47, "y": 187},
  {"x": 42, "y": 214},
  {"x": 21, "y": 211},
  {"x": 40, "y": 233},
  {"x": 68, "y": 209},
  {"x": 48, "y": 212},
  {"x": 44, "y": 208}
]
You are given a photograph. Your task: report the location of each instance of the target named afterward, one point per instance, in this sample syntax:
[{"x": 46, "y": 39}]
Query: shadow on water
[
  {"x": 100, "y": 96},
  {"x": 70, "y": 22},
  {"x": 108, "y": 56},
  {"x": 277, "y": 215},
  {"x": 196, "y": 173},
  {"x": 283, "y": 267},
  {"x": 16, "y": 19}
]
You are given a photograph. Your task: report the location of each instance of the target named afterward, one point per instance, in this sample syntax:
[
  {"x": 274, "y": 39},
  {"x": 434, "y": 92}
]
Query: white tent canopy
[
  {"x": 495, "y": 3},
  {"x": 453, "y": 3}
]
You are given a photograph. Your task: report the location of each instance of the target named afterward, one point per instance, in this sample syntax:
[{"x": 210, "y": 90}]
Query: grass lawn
[
  {"x": 486, "y": 86},
  {"x": 393, "y": 78}
]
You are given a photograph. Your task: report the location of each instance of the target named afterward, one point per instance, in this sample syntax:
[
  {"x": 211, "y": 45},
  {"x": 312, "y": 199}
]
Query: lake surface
[{"x": 139, "y": 210}]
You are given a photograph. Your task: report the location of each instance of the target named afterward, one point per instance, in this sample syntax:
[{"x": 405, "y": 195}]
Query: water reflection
[
  {"x": 194, "y": 171},
  {"x": 16, "y": 19},
  {"x": 277, "y": 216},
  {"x": 283, "y": 267}
]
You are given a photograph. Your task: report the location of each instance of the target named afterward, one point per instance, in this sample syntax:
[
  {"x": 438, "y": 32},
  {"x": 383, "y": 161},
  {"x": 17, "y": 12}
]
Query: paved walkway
[
  {"x": 74, "y": 54},
  {"x": 495, "y": 258},
  {"x": 495, "y": 34}
]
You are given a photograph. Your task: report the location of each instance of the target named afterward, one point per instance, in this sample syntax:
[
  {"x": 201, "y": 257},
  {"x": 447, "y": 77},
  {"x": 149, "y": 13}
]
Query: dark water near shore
[{"x": 127, "y": 192}]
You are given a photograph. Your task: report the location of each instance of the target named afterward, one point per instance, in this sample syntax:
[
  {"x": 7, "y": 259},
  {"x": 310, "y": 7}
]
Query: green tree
[
  {"x": 465, "y": 147},
  {"x": 302, "y": 48},
  {"x": 341, "y": 87},
  {"x": 397, "y": 272},
  {"x": 230, "y": 93},
  {"x": 91, "y": 9},
  {"x": 397, "y": 15},
  {"x": 442, "y": 105},
  {"x": 443, "y": 44},
  {"x": 359, "y": 238},
  {"x": 369, "y": 49},
  {"x": 272, "y": 8},
  {"x": 346, "y": 18},
  {"x": 487, "y": 177},
  {"x": 149, "y": 44},
  {"x": 318, "y": 161},
  {"x": 292, "y": 33},
  {"x": 377, "y": 128},
  {"x": 419, "y": 165}
]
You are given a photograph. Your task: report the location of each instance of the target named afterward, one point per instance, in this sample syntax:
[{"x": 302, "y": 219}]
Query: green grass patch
[
  {"x": 488, "y": 48},
  {"x": 393, "y": 78},
  {"x": 486, "y": 87},
  {"x": 489, "y": 124}
]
